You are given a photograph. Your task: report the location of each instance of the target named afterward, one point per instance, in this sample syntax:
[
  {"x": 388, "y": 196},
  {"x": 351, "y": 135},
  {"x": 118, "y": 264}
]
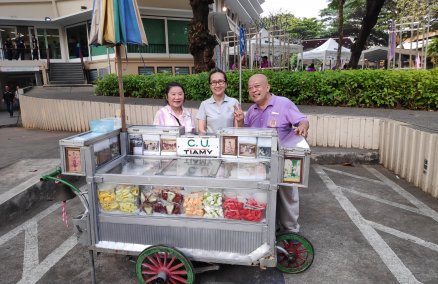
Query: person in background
[
  {"x": 216, "y": 112},
  {"x": 7, "y": 47},
  {"x": 236, "y": 66},
  {"x": 174, "y": 114},
  {"x": 34, "y": 44},
  {"x": 265, "y": 63},
  {"x": 271, "y": 111},
  {"x": 311, "y": 68},
  {"x": 17, "y": 94},
  {"x": 20, "y": 46},
  {"x": 8, "y": 98}
]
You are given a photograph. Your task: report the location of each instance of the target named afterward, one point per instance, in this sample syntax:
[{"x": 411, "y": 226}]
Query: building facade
[{"x": 60, "y": 29}]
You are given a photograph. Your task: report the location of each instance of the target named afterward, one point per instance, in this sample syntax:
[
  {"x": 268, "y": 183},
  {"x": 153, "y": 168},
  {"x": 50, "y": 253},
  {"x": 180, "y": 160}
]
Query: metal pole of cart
[
  {"x": 93, "y": 271},
  {"x": 53, "y": 175}
]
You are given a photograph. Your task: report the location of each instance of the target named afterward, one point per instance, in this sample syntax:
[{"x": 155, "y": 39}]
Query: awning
[
  {"x": 377, "y": 53},
  {"x": 247, "y": 14},
  {"x": 219, "y": 21}
]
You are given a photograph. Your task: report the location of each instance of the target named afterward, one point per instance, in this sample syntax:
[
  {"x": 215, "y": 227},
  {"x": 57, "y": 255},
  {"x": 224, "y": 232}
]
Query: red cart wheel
[
  {"x": 161, "y": 264},
  {"x": 294, "y": 253}
]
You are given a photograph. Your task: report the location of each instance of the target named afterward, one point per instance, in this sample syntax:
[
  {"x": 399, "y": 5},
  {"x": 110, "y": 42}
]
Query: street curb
[
  {"x": 20, "y": 204},
  {"x": 334, "y": 157},
  {"x": 10, "y": 125}
]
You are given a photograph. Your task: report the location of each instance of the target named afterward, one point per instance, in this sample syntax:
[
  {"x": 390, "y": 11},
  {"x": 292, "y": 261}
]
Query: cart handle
[{"x": 53, "y": 176}]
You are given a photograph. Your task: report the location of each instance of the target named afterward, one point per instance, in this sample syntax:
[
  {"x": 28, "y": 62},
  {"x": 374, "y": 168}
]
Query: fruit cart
[{"x": 170, "y": 198}]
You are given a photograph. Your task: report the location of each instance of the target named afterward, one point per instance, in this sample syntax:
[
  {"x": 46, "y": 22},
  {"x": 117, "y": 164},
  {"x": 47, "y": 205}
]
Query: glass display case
[
  {"x": 153, "y": 140},
  {"x": 214, "y": 197},
  {"x": 104, "y": 147}
]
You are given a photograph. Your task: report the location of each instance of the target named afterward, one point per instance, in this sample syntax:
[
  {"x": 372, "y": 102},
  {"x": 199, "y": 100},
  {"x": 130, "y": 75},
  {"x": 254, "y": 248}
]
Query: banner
[{"x": 242, "y": 41}]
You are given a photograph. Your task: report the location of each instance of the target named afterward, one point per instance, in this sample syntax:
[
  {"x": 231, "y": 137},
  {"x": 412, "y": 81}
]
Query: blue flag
[{"x": 242, "y": 41}]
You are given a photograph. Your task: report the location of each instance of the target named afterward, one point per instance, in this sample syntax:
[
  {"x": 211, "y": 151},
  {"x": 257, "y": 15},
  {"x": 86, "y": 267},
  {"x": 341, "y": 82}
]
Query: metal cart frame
[{"x": 166, "y": 244}]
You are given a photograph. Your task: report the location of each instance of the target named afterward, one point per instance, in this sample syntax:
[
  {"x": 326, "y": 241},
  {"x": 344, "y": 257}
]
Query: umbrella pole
[{"x": 121, "y": 91}]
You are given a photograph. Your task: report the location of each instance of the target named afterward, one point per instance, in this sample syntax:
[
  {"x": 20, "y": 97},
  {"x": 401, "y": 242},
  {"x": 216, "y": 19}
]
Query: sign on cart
[{"x": 198, "y": 146}]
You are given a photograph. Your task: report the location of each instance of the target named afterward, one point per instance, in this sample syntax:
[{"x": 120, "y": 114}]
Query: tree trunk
[
  {"x": 201, "y": 42},
  {"x": 372, "y": 12},
  {"x": 340, "y": 31}
]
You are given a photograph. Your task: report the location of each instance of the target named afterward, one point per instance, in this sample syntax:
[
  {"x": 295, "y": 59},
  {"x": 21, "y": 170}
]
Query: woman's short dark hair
[
  {"x": 216, "y": 70},
  {"x": 169, "y": 86}
]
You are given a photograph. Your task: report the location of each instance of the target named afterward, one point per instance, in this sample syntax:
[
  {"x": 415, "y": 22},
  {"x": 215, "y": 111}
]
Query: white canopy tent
[{"x": 327, "y": 51}]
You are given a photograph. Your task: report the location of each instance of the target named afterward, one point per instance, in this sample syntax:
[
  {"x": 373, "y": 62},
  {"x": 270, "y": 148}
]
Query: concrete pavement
[
  {"x": 339, "y": 257},
  {"x": 20, "y": 144}
]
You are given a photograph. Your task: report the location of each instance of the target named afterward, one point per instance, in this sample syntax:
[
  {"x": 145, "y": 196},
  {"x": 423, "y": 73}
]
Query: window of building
[
  {"x": 178, "y": 36},
  {"x": 146, "y": 70},
  {"x": 77, "y": 41},
  {"x": 182, "y": 70},
  {"x": 99, "y": 50},
  {"x": 155, "y": 33},
  {"x": 164, "y": 70},
  {"x": 6, "y": 40},
  {"x": 48, "y": 40},
  {"x": 103, "y": 71},
  {"x": 92, "y": 75}
]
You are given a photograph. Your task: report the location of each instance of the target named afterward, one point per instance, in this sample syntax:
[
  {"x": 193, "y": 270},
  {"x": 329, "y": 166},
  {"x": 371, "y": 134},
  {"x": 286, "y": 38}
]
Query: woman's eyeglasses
[{"x": 218, "y": 82}]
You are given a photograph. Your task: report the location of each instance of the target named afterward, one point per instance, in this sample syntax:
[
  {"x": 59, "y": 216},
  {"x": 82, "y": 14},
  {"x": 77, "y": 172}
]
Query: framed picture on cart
[
  {"x": 293, "y": 170},
  {"x": 248, "y": 147},
  {"x": 229, "y": 145},
  {"x": 73, "y": 160}
]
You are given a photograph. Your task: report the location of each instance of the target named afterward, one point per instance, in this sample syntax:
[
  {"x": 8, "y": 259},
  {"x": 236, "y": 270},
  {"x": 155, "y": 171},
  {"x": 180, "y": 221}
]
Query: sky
[{"x": 299, "y": 8}]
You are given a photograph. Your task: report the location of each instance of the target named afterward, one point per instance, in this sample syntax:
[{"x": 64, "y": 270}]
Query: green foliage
[
  {"x": 407, "y": 89},
  {"x": 297, "y": 28},
  {"x": 432, "y": 51},
  {"x": 107, "y": 86}
]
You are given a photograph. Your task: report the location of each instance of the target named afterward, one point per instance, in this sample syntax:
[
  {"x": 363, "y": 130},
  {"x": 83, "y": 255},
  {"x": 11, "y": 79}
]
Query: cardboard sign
[{"x": 197, "y": 146}]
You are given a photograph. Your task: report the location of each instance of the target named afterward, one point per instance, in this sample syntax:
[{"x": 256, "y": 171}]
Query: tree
[
  {"x": 296, "y": 28},
  {"x": 201, "y": 42},
  {"x": 373, "y": 8},
  {"x": 340, "y": 31},
  {"x": 432, "y": 51}
]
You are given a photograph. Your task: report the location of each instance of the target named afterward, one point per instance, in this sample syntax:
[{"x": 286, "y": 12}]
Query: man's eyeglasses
[{"x": 218, "y": 82}]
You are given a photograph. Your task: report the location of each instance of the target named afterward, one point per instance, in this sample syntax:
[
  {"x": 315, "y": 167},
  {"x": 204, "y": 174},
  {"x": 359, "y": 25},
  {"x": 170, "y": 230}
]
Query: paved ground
[{"x": 366, "y": 224}]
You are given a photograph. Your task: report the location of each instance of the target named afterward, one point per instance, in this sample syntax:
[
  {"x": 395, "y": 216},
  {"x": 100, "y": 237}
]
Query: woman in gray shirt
[{"x": 216, "y": 112}]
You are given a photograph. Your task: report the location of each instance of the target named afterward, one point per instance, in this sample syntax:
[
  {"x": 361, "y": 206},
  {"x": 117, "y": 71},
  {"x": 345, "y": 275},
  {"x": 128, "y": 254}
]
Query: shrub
[{"x": 409, "y": 89}]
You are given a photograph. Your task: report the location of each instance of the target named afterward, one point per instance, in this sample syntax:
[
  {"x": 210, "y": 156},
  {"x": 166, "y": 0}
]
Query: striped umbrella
[{"x": 117, "y": 22}]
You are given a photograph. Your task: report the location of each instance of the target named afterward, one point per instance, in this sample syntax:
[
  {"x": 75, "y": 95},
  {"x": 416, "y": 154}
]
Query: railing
[
  {"x": 27, "y": 53},
  {"x": 159, "y": 48},
  {"x": 151, "y": 48},
  {"x": 179, "y": 48}
]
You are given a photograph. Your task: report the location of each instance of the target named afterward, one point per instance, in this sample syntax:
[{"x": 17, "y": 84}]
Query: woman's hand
[
  {"x": 202, "y": 126},
  {"x": 238, "y": 115}
]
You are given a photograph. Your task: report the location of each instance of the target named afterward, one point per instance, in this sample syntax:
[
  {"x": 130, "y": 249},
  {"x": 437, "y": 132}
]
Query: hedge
[{"x": 406, "y": 89}]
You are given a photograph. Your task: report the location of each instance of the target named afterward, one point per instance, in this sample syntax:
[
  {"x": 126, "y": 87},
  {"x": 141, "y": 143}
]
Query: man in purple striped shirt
[{"x": 271, "y": 111}]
